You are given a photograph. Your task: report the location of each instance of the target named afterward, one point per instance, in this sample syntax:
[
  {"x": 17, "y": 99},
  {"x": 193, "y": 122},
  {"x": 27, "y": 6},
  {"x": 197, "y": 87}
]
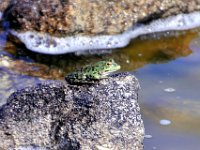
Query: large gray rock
[{"x": 56, "y": 116}]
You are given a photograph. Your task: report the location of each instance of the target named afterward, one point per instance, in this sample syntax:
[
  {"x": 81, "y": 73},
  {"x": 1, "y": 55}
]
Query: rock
[
  {"x": 57, "y": 27},
  {"x": 56, "y": 116},
  {"x": 3, "y": 6},
  {"x": 77, "y": 17}
]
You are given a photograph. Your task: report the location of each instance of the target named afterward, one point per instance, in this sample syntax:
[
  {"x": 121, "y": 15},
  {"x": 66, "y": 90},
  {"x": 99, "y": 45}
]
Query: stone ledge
[{"x": 105, "y": 115}]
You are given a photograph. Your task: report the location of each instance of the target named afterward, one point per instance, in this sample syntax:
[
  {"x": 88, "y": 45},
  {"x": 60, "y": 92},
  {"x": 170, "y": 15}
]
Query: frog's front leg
[{"x": 95, "y": 76}]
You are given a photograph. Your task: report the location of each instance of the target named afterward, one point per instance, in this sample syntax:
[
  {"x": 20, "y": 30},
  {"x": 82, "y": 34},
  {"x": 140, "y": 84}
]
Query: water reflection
[{"x": 139, "y": 53}]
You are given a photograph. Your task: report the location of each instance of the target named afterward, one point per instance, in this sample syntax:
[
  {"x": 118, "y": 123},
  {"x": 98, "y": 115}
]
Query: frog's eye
[{"x": 109, "y": 63}]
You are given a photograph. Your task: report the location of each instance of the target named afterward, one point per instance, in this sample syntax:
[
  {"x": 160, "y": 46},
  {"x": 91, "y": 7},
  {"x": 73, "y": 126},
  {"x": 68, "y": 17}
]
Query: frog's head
[{"x": 103, "y": 68}]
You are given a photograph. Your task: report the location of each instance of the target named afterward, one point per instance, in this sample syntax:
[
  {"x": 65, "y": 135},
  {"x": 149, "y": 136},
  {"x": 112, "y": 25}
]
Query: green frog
[{"x": 93, "y": 72}]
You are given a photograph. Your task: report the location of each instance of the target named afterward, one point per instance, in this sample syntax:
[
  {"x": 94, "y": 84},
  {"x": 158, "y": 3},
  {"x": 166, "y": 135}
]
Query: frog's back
[{"x": 79, "y": 76}]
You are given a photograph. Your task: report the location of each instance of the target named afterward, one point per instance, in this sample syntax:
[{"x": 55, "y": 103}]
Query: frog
[{"x": 93, "y": 72}]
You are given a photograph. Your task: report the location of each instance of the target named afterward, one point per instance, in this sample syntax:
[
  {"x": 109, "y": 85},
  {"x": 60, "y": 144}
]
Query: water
[
  {"x": 170, "y": 101},
  {"x": 167, "y": 66}
]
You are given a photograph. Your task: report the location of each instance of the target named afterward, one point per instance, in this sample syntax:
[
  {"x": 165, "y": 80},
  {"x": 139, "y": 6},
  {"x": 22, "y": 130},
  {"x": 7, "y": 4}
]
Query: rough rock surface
[
  {"x": 56, "y": 116},
  {"x": 72, "y": 17}
]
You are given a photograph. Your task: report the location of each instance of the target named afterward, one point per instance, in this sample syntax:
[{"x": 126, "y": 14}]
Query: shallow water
[
  {"x": 171, "y": 91},
  {"x": 167, "y": 66}
]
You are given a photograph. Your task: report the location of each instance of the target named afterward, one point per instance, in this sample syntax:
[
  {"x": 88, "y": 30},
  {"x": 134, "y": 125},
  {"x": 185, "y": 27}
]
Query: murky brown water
[{"x": 166, "y": 65}]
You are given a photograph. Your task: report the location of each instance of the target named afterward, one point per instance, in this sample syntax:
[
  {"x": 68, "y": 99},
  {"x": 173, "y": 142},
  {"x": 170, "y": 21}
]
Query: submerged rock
[
  {"x": 56, "y": 27},
  {"x": 105, "y": 115}
]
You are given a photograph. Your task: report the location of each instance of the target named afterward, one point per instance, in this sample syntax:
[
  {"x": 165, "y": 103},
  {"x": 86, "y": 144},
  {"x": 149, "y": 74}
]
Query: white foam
[
  {"x": 44, "y": 43},
  {"x": 169, "y": 90}
]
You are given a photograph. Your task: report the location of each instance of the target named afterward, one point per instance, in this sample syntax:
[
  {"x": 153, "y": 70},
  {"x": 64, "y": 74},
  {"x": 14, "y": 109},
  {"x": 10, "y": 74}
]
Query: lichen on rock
[{"x": 105, "y": 115}]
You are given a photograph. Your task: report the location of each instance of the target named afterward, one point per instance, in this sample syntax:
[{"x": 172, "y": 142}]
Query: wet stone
[
  {"x": 56, "y": 115},
  {"x": 105, "y": 24},
  {"x": 87, "y": 17}
]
